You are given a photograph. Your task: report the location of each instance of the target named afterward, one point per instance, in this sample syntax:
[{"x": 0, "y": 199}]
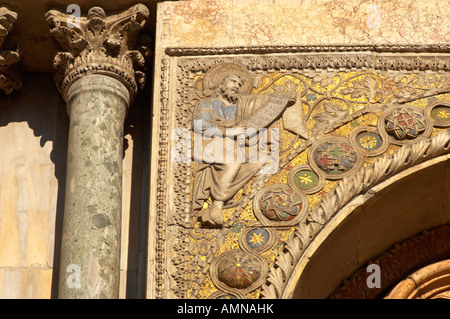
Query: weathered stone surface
[
  {"x": 430, "y": 282},
  {"x": 9, "y": 80},
  {"x": 219, "y": 23},
  {"x": 33, "y": 137},
  {"x": 17, "y": 283},
  {"x": 97, "y": 106},
  {"x": 29, "y": 189}
]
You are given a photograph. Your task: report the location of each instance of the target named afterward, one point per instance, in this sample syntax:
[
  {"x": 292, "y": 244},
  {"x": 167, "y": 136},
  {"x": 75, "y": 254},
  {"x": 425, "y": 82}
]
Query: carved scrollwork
[{"x": 335, "y": 48}]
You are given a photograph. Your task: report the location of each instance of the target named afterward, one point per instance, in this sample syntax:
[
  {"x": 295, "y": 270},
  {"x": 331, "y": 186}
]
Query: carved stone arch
[
  {"x": 429, "y": 282},
  {"x": 363, "y": 217}
]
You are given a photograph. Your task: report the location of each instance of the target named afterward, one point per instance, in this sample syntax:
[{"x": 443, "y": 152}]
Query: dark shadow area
[{"x": 138, "y": 126}]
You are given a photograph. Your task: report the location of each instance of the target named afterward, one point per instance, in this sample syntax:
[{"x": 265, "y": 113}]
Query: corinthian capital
[
  {"x": 9, "y": 80},
  {"x": 99, "y": 44}
]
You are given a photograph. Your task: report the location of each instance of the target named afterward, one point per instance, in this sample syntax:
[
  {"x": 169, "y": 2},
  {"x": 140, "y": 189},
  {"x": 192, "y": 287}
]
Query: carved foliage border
[
  {"x": 187, "y": 275},
  {"x": 161, "y": 197}
]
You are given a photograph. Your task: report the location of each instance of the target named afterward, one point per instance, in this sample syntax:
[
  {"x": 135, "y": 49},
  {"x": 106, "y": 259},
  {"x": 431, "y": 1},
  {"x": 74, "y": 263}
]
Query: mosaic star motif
[
  {"x": 444, "y": 114},
  {"x": 441, "y": 114},
  {"x": 306, "y": 179},
  {"x": 369, "y": 141},
  {"x": 257, "y": 238}
]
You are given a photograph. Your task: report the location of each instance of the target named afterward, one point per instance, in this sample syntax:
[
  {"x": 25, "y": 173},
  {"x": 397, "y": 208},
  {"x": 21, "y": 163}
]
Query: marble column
[{"x": 98, "y": 78}]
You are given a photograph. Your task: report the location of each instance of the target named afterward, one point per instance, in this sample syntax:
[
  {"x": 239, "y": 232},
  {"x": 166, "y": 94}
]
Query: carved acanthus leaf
[
  {"x": 324, "y": 79},
  {"x": 367, "y": 87},
  {"x": 99, "y": 44},
  {"x": 332, "y": 114}
]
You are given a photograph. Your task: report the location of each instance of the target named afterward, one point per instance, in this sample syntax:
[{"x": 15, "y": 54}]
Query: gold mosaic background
[{"x": 352, "y": 92}]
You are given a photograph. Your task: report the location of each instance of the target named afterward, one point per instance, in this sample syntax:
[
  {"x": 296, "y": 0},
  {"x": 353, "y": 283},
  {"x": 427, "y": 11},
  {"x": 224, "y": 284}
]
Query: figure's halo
[{"x": 217, "y": 73}]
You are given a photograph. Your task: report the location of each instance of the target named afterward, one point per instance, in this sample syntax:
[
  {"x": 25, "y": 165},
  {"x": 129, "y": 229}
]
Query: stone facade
[{"x": 99, "y": 193}]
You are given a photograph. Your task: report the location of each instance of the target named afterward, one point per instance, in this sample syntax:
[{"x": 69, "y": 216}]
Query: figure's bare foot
[{"x": 212, "y": 216}]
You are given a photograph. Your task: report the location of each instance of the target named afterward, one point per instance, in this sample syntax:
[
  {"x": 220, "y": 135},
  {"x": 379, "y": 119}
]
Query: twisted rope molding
[{"x": 348, "y": 188}]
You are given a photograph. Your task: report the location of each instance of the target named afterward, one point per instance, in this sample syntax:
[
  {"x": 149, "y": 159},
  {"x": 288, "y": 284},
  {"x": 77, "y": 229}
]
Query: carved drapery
[
  {"x": 352, "y": 102},
  {"x": 9, "y": 79}
]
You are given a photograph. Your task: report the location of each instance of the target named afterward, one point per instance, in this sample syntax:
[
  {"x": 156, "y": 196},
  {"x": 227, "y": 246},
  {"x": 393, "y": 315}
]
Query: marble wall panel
[{"x": 219, "y": 23}]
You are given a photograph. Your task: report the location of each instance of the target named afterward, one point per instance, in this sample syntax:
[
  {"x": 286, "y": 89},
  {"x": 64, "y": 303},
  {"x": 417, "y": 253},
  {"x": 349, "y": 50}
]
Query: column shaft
[{"x": 90, "y": 248}]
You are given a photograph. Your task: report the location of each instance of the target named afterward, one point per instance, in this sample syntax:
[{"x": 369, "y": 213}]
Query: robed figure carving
[{"x": 230, "y": 125}]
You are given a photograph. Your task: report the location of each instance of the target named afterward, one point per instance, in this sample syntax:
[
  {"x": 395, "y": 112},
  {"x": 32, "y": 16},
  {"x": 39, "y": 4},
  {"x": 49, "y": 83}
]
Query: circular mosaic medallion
[
  {"x": 334, "y": 156},
  {"x": 439, "y": 112},
  {"x": 257, "y": 239},
  {"x": 404, "y": 124},
  {"x": 237, "y": 270},
  {"x": 304, "y": 179},
  {"x": 279, "y": 205},
  {"x": 369, "y": 141}
]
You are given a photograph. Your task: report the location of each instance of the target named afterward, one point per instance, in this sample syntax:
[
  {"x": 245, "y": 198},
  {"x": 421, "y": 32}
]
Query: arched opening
[
  {"x": 430, "y": 282},
  {"x": 402, "y": 207}
]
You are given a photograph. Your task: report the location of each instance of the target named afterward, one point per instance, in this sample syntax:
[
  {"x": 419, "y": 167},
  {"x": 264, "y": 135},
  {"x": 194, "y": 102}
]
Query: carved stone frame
[{"x": 170, "y": 197}]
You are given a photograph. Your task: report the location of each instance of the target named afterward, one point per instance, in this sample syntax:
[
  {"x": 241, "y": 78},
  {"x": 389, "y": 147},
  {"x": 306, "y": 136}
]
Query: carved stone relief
[
  {"x": 229, "y": 125},
  {"x": 99, "y": 44},
  {"x": 358, "y": 120},
  {"x": 9, "y": 79}
]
